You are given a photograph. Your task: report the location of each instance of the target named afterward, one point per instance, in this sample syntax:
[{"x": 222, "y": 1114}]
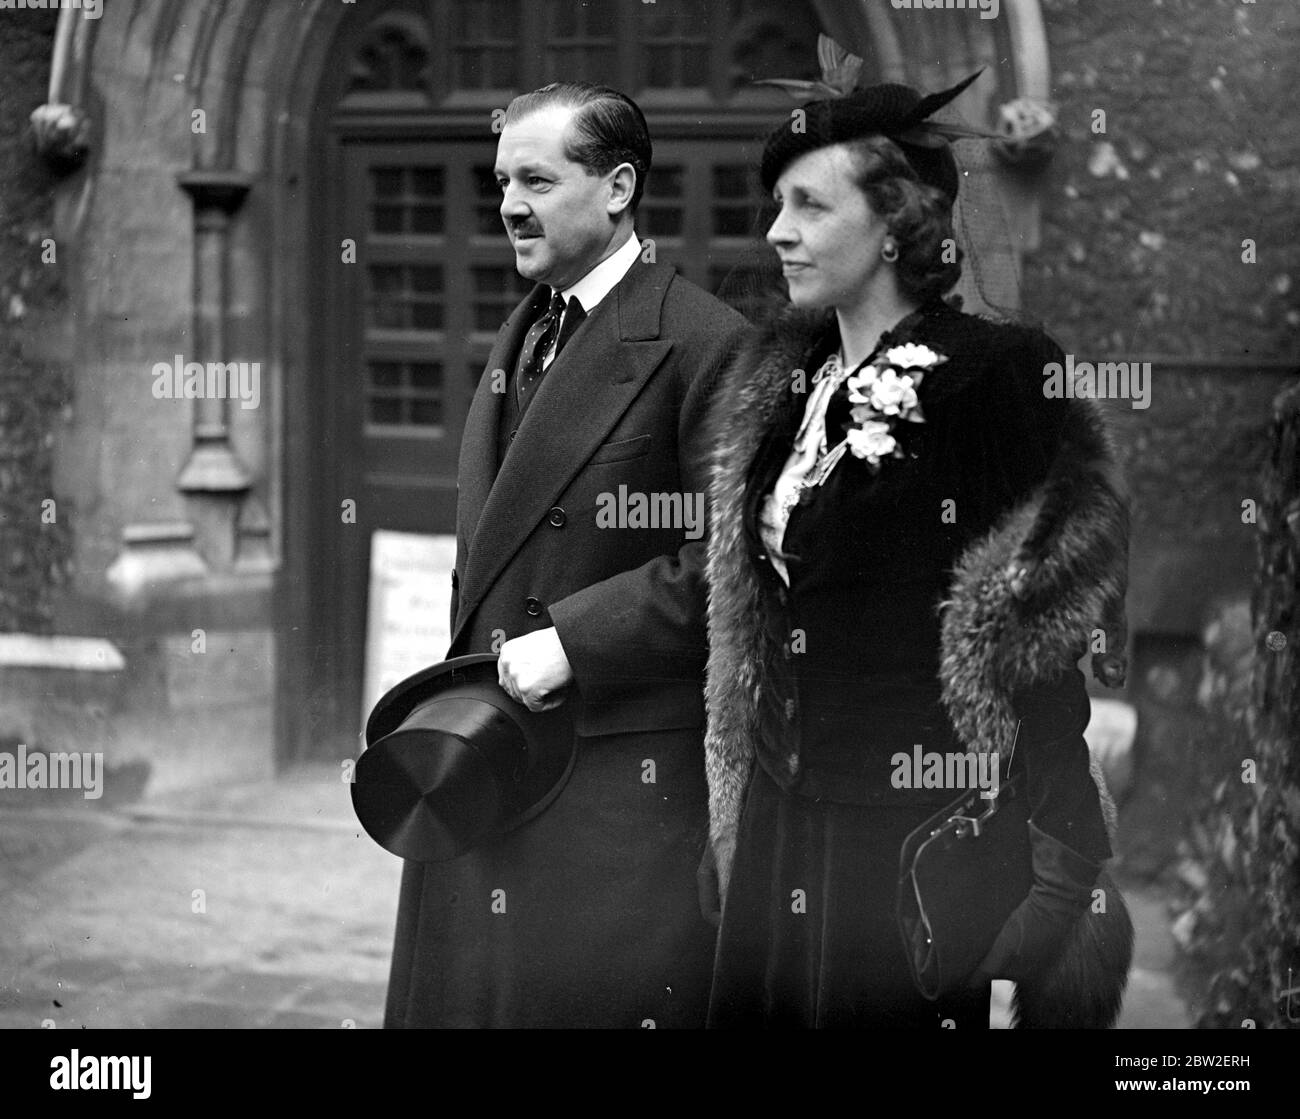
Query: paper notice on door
[{"x": 406, "y": 617}]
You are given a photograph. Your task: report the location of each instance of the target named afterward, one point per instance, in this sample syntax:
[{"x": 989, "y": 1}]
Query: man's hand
[{"x": 534, "y": 670}]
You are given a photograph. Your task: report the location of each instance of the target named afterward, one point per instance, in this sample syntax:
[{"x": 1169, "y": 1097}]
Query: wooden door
[{"x": 407, "y": 319}]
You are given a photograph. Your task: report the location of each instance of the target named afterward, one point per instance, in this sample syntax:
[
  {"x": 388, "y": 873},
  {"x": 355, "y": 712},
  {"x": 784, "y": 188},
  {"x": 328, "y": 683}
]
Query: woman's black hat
[{"x": 895, "y": 111}]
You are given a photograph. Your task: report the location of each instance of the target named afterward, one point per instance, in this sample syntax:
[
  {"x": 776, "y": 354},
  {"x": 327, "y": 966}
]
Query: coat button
[
  {"x": 513, "y": 434},
  {"x": 792, "y": 763},
  {"x": 557, "y": 517},
  {"x": 789, "y": 710},
  {"x": 533, "y": 606}
]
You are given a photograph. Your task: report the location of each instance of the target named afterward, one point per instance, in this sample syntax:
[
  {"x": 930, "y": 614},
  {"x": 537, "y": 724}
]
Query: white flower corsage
[{"x": 883, "y": 394}]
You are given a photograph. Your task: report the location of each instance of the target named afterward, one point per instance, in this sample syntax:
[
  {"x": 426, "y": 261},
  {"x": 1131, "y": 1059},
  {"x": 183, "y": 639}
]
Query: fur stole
[{"x": 1043, "y": 587}]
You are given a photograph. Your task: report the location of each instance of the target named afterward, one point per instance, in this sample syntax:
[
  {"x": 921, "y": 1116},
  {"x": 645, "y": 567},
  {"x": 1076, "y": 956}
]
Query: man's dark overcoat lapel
[{"x": 587, "y": 388}]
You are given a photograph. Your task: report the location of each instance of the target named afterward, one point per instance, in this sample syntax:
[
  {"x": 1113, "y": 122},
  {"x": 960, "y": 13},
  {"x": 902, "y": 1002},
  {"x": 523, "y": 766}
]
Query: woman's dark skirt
[{"x": 809, "y": 935}]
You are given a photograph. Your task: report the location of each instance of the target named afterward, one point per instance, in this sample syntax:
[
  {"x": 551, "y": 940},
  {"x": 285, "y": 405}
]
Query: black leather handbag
[{"x": 961, "y": 874}]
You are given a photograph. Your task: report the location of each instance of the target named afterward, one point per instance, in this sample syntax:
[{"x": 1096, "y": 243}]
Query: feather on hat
[{"x": 843, "y": 112}]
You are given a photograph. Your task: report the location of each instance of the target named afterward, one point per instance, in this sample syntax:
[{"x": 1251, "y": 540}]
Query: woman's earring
[{"x": 889, "y": 253}]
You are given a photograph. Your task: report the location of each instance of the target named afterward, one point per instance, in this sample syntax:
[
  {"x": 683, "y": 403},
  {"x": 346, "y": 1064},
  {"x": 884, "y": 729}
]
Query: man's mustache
[{"x": 525, "y": 229}]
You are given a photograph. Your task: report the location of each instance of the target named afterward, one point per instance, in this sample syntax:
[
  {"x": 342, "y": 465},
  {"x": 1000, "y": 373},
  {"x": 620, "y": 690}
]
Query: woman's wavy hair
[{"x": 917, "y": 215}]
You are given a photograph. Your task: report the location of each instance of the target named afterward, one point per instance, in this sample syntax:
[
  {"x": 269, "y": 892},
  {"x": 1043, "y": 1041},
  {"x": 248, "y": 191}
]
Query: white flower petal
[{"x": 910, "y": 355}]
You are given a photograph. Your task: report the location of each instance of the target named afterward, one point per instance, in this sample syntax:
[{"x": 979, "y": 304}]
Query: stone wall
[
  {"x": 34, "y": 536},
  {"x": 1193, "y": 462},
  {"x": 1142, "y": 225},
  {"x": 1141, "y": 256},
  {"x": 193, "y": 704}
]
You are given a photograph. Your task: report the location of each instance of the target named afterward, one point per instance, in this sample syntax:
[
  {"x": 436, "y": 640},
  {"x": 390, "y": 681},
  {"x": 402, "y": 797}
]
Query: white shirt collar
[{"x": 601, "y": 280}]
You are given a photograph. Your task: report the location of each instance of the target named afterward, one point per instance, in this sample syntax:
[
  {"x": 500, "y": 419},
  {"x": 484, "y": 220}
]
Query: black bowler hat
[
  {"x": 452, "y": 762},
  {"x": 895, "y": 111}
]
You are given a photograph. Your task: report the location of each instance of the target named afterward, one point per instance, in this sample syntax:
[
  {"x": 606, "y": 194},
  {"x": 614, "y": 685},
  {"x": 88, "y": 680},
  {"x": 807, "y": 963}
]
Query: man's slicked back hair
[{"x": 608, "y": 128}]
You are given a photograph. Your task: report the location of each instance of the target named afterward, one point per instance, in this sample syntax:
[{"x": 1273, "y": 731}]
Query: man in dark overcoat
[{"x": 579, "y": 559}]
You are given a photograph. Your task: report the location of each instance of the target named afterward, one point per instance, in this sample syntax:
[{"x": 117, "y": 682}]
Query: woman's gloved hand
[{"x": 1036, "y": 931}]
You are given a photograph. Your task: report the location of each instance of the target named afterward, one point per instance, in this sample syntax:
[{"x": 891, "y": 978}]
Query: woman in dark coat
[{"x": 912, "y": 547}]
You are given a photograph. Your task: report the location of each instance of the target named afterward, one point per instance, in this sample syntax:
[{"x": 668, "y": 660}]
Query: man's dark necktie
[{"x": 538, "y": 340}]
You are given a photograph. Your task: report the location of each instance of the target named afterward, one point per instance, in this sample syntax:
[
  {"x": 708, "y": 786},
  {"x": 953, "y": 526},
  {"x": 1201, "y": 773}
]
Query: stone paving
[
  {"x": 1152, "y": 1001},
  {"x": 255, "y": 907},
  {"x": 235, "y": 908}
]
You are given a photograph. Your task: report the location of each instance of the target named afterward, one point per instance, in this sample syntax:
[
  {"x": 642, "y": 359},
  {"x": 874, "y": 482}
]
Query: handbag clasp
[{"x": 975, "y": 822}]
